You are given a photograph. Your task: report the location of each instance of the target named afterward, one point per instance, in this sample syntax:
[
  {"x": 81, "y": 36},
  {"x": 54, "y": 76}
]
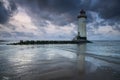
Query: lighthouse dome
[
  {"x": 82, "y": 11},
  {"x": 82, "y": 14}
]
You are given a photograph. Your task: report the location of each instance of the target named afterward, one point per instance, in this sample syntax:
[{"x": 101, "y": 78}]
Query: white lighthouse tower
[{"x": 82, "y": 35}]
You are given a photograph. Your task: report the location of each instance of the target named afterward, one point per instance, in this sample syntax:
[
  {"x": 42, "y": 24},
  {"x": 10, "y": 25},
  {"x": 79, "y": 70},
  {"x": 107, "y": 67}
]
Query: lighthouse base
[
  {"x": 83, "y": 38},
  {"x": 78, "y": 38}
]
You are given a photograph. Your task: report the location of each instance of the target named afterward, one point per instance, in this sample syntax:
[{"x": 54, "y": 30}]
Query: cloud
[
  {"x": 7, "y": 9},
  {"x": 108, "y": 9},
  {"x": 104, "y": 8},
  {"x": 66, "y": 10},
  {"x": 59, "y": 12},
  {"x": 102, "y": 29},
  {"x": 43, "y": 18}
]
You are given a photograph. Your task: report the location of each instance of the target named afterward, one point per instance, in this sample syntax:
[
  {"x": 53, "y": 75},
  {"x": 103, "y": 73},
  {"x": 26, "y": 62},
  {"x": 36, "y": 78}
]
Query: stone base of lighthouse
[{"x": 79, "y": 38}]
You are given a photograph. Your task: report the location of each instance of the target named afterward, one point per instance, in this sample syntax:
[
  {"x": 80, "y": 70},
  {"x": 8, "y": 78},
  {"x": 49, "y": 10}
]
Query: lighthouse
[{"x": 81, "y": 35}]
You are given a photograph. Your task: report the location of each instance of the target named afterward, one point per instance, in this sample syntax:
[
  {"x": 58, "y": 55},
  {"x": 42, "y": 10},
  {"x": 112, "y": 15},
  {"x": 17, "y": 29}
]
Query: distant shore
[{"x": 49, "y": 42}]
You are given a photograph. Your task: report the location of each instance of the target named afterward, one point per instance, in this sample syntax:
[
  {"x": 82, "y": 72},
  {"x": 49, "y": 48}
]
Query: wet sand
[
  {"x": 56, "y": 62},
  {"x": 62, "y": 71}
]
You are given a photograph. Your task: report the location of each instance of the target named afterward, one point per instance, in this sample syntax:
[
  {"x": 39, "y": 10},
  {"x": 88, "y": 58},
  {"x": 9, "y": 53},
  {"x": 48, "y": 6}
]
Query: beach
[{"x": 99, "y": 60}]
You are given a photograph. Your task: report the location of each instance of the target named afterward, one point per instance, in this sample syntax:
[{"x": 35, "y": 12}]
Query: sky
[{"x": 57, "y": 19}]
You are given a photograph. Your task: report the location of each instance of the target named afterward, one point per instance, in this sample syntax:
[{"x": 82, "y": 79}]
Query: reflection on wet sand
[{"x": 81, "y": 57}]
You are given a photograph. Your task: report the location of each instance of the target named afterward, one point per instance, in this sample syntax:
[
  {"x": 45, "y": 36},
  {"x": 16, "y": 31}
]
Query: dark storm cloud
[
  {"x": 6, "y": 12},
  {"x": 60, "y": 12},
  {"x": 44, "y": 9},
  {"x": 59, "y": 6},
  {"x": 3, "y": 14},
  {"x": 107, "y": 9},
  {"x": 64, "y": 12}
]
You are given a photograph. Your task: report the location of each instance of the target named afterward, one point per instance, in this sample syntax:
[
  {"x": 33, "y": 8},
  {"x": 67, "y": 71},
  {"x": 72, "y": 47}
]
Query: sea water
[{"x": 99, "y": 60}]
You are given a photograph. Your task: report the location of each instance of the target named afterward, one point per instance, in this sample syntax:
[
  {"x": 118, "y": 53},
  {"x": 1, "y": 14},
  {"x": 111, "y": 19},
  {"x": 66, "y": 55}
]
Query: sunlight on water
[{"x": 22, "y": 57}]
